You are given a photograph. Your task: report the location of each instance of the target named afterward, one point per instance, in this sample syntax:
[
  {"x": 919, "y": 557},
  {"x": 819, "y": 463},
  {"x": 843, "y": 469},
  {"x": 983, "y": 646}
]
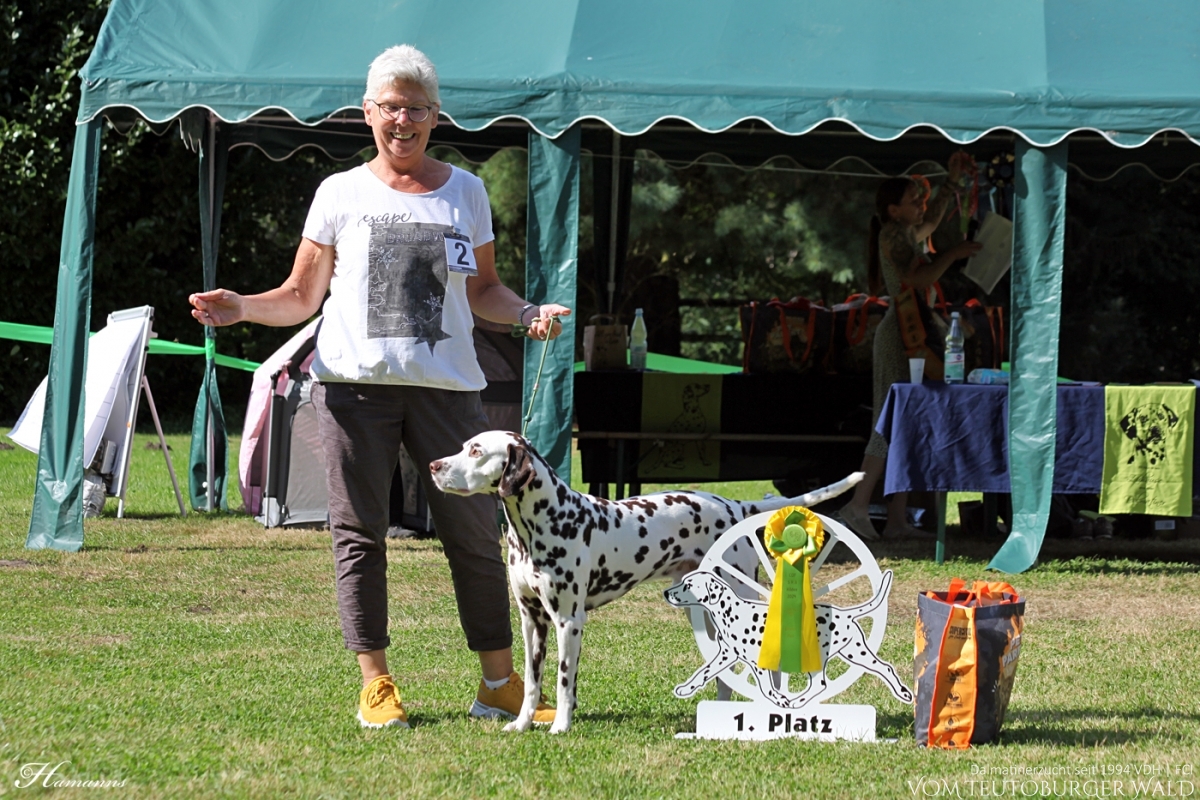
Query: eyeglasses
[{"x": 391, "y": 112}]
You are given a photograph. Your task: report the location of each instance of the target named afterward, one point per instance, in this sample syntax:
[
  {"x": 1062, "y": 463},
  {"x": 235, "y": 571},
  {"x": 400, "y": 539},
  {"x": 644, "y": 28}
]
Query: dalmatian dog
[
  {"x": 739, "y": 625},
  {"x": 1147, "y": 426},
  {"x": 570, "y": 553}
]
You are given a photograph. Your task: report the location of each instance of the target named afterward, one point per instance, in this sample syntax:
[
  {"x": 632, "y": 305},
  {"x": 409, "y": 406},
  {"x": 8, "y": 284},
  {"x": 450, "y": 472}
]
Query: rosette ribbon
[
  {"x": 967, "y": 188},
  {"x": 926, "y": 191},
  {"x": 794, "y": 535}
]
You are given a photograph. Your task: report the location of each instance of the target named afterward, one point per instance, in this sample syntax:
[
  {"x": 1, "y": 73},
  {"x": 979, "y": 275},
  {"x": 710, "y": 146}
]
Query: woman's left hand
[{"x": 546, "y": 324}]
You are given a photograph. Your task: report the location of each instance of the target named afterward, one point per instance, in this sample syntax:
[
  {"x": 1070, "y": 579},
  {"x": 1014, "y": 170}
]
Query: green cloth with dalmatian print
[{"x": 1148, "y": 450}]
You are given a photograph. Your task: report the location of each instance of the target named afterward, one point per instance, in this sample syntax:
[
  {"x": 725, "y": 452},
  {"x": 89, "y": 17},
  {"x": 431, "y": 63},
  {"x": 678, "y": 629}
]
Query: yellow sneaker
[
  {"x": 379, "y": 705},
  {"x": 505, "y": 702}
]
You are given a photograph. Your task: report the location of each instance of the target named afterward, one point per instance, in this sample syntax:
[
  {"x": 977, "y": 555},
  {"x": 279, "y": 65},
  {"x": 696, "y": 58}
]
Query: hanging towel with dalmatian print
[{"x": 1148, "y": 441}]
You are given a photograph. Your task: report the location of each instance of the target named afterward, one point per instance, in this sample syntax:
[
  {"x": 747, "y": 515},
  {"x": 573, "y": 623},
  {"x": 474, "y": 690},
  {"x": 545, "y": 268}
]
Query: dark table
[{"x": 807, "y": 428}]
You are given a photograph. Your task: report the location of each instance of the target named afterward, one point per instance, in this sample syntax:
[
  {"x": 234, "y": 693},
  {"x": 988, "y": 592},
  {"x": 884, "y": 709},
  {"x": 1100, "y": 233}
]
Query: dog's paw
[
  {"x": 516, "y": 726},
  {"x": 683, "y": 691},
  {"x": 557, "y": 728}
]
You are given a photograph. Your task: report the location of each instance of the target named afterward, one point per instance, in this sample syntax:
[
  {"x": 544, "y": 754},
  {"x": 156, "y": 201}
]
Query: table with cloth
[{"x": 944, "y": 438}]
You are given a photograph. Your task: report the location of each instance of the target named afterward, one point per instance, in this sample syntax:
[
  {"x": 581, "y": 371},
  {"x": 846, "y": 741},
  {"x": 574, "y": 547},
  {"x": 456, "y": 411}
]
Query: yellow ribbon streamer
[{"x": 795, "y": 536}]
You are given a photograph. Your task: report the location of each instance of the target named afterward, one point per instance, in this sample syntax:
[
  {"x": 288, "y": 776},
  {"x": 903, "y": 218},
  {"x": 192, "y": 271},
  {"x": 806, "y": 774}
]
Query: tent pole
[
  {"x": 614, "y": 208},
  {"x": 551, "y": 272},
  {"x": 57, "y": 518},
  {"x": 208, "y": 412},
  {"x": 206, "y": 472}
]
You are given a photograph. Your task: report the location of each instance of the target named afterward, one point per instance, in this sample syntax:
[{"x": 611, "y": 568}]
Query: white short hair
[{"x": 402, "y": 64}]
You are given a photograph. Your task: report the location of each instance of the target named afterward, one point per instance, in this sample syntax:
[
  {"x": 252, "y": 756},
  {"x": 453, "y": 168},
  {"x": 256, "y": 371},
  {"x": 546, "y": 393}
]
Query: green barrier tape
[
  {"x": 26, "y": 333},
  {"x": 42, "y": 335},
  {"x": 684, "y": 366}
]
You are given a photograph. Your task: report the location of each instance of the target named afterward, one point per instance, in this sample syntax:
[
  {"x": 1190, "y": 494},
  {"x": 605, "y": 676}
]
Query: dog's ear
[
  {"x": 1172, "y": 417},
  {"x": 518, "y": 470}
]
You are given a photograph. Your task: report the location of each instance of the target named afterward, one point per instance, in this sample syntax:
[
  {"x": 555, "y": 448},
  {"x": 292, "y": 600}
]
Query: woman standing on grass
[
  {"x": 404, "y": 246},
  {"x": 896, "y": 261}
]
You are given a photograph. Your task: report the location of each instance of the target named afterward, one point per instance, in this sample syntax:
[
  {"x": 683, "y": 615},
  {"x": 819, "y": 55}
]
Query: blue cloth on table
[{"x": 955, "y": 438}]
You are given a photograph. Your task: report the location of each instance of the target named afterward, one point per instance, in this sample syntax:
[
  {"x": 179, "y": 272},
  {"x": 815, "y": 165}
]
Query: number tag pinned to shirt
[{"x": 459, "y": 255}]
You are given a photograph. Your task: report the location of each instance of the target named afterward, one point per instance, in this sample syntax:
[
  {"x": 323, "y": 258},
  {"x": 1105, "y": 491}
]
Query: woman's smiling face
[{"x": 401, "y": 141}]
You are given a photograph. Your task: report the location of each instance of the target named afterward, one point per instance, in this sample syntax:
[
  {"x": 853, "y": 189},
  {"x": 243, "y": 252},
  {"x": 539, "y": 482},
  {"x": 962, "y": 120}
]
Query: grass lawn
[{"x": 201, "y": 657}]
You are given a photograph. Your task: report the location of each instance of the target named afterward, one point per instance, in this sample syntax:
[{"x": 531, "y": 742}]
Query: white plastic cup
[{"x": 916, "y": 370}]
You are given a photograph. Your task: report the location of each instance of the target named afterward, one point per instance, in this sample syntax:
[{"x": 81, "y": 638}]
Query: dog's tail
[
  {"x": 811, "y": 499},
  {"x": 870, "y": 605}
]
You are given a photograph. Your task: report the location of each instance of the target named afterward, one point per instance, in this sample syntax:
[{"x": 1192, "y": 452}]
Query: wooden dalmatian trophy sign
[{"x": 749, "y": 642}]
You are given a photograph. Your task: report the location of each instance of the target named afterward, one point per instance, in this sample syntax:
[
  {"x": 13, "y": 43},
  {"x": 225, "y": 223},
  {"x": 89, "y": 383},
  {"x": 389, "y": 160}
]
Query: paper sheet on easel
[
  {"x": 108, "y": 363},
  {"x": 988, "y": 266}
]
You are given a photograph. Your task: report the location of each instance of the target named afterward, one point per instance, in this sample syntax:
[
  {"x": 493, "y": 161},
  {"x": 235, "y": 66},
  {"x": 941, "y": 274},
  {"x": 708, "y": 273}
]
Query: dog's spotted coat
[
  {"x": 739, "y": 624},
  {"x": 569, "y": 553}
]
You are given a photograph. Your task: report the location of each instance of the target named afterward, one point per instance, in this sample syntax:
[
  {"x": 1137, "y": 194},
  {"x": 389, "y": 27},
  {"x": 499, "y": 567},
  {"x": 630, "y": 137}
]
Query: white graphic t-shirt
[{"x": 397, "y": 309}]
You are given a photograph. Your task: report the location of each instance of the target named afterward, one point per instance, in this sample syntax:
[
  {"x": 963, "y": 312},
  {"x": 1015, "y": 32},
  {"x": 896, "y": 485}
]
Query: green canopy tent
[{"x": 752, "y": 77}]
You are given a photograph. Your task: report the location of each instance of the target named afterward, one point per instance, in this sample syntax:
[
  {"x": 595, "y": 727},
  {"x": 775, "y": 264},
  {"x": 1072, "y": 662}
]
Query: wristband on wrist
[{"x": 521, "y": 314}]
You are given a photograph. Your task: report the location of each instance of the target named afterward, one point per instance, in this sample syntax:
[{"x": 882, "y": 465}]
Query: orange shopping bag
[{"x": 965, "y": 659}]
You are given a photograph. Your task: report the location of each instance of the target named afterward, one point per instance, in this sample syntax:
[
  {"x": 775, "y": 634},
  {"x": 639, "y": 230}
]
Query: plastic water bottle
[
  {"x": 637, "y": 342},
  {"x": 954, "y": 351}
]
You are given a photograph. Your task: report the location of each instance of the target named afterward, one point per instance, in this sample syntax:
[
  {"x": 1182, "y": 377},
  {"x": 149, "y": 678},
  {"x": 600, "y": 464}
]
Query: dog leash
[{"x": 520, "y": 331}]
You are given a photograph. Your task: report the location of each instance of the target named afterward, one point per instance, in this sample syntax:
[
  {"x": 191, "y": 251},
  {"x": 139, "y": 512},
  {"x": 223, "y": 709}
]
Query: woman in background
[{"x": 896, "y": 260}]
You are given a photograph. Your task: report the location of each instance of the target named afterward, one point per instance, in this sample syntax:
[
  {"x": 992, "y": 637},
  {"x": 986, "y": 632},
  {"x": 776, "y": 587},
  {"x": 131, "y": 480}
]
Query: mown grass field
[{"x": 201, "y": 657}]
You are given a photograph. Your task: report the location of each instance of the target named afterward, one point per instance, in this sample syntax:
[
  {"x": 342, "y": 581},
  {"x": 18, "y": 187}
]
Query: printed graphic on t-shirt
[{"x": 406, "y": 281}]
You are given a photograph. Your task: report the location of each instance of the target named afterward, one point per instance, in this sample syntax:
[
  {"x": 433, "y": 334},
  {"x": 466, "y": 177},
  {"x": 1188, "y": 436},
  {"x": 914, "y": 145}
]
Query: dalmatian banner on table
[
  {"x": 728, "y": 607},
  {"x": 1148, "y": 450},
  {"x": 680, "y": 404}
]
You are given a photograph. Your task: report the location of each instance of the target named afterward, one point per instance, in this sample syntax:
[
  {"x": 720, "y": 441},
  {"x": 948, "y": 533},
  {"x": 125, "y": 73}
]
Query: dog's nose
[{"x": 435, "y": 466}]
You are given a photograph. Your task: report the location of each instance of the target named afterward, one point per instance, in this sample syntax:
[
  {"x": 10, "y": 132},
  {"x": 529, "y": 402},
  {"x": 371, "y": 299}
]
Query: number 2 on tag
[{"x": 459, "y": 255}]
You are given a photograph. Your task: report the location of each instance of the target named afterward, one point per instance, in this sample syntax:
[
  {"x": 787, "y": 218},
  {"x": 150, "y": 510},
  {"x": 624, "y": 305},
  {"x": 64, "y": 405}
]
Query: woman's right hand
[
  {"x": 218, "y": 307},
  {"x": 965, "y": 249}
]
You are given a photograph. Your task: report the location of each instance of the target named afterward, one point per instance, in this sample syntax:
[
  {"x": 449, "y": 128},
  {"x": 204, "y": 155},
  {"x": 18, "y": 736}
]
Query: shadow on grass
[
  {"x": 152, "y": 516},
  {"x": 1075, "y": 556},
  {"x": 1119, "y": 566},
  {"x": 424, "y": 719},
  {"x": 143, "y": 548},
  {"x": 647, "y": 720},
  {"x": 1071, "y": 726},
  {"x": 144, "y": 516},
  {"x": 901, "y": 722}
]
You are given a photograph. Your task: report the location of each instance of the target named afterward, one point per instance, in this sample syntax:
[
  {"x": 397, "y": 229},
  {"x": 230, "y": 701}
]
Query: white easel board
[
  {"x": 116, "y": 367},
  {"x": 106, "y": 386}
]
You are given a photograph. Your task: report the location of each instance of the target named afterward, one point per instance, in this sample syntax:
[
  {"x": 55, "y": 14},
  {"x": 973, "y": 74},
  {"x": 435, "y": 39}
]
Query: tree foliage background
[{"x": 1131, "y": 286}]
